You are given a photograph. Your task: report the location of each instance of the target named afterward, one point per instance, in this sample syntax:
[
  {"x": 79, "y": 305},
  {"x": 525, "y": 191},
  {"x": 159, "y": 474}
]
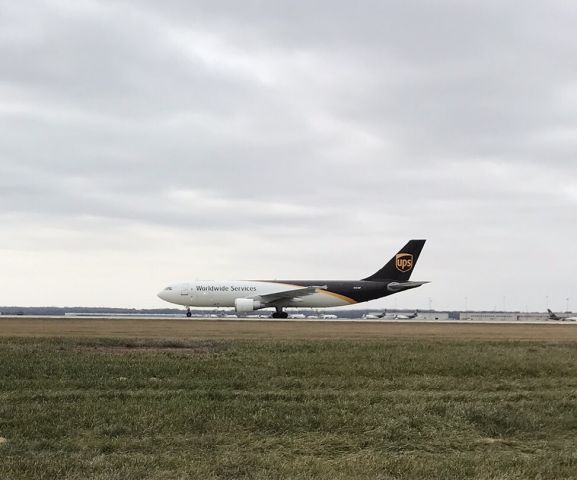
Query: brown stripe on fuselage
[{"x": 338, "y": 295}]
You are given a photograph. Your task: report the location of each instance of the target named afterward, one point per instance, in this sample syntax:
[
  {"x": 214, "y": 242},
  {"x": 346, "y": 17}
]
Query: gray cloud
[{"x": 287, "y": 129}]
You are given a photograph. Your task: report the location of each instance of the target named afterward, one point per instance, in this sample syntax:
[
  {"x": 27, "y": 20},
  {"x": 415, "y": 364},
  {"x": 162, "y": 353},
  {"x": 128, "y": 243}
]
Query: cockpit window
[{"x": 168, "y": 288}]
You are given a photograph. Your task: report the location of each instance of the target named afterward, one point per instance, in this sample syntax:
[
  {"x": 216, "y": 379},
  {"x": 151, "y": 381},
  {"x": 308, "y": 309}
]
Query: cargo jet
[
  {"x": 554, "y": 316},
  {"x": 374, "y": 316},
  {"x": 250, "y": 295},
  {"x": 400, "y": 316}
]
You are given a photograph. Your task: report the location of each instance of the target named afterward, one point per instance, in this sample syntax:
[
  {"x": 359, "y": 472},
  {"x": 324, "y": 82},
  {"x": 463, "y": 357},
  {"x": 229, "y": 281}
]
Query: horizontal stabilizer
[{"x": 397, "y": 286}]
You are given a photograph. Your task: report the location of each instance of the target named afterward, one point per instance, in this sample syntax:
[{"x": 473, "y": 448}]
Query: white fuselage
[{"x": 217, "y": 293}]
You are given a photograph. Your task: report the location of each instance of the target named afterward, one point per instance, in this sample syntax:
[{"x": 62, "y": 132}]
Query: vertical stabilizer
[{"x": 400, "y": 267}]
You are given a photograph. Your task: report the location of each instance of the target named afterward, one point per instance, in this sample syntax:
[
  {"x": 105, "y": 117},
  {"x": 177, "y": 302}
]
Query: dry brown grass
[{"x": 275, "y": 329}]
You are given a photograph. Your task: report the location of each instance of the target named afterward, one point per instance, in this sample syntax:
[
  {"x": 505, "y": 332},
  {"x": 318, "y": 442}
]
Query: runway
[{"x": 147, "y": 327}]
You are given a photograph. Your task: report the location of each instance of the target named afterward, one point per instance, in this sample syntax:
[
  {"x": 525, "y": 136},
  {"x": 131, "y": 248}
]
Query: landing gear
[
  {"x": 188, "y": 312},
  {"x": 279, "y": 313}
]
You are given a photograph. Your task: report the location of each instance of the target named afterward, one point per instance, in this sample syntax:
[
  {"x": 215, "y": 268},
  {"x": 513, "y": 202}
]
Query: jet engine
[{"x": 246, "y": 305}]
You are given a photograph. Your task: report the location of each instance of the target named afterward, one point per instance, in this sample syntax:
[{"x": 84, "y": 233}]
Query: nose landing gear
[
  {"x": 188, "y": 312},
  {"x": 279, "y": 313}
]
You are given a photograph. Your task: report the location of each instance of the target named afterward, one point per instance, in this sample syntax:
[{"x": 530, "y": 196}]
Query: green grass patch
[{"x": 137, "y": 409}]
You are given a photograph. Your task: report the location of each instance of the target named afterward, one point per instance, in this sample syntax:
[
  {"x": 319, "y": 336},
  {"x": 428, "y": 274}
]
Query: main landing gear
[
  {"x": 279, "y": 313},
  {"x": 188, "y": 312}
]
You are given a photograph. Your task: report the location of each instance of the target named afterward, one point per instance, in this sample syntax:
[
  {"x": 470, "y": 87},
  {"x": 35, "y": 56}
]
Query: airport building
[{"x": 503, "y": 316}]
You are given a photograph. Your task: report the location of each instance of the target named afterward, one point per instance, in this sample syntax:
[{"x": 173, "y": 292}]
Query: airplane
[
  {"x": 407, "y": 317},
  {"x": 554, "y": 316},
  {"x": 250, "y": 295},
  {"x": 374, "y": 316}
]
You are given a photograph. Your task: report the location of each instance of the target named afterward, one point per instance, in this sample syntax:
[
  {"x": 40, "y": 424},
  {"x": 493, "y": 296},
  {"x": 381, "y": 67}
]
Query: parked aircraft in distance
[
  {"x": 397, "y": 316},
  {"x": 374, "y": 316},
  {"x": 250, "y": 295},
  {"x": 554, "y": 316},
  {"x": 328, "y": 316},
  {"x": 407, "y": 317}
]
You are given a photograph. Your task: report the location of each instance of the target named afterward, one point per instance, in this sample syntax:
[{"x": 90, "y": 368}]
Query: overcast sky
[{"x": 145, "y": 143}]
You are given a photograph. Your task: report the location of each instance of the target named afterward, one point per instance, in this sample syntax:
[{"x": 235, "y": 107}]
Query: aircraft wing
[{"x": 293, "y": 294}]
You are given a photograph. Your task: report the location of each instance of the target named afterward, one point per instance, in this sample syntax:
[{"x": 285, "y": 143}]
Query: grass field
[
  {"x": 390, "y": 408},
  {"x": 275, "y": 329}
]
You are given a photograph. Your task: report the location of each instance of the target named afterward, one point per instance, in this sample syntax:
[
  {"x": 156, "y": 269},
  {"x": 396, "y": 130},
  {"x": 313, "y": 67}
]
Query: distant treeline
[{"x": 64, "y": 310}]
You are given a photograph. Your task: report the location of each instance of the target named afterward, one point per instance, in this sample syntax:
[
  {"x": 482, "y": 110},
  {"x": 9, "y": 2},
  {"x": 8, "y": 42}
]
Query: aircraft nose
[{"x": 163, "y": 295}]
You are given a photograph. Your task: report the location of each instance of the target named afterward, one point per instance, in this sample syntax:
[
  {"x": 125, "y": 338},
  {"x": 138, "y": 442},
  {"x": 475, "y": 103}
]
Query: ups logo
[{"x": 404, "y": 261}]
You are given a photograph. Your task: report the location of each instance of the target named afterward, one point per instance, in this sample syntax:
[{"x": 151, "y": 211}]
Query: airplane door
[{"x": 184, "y": 290}]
